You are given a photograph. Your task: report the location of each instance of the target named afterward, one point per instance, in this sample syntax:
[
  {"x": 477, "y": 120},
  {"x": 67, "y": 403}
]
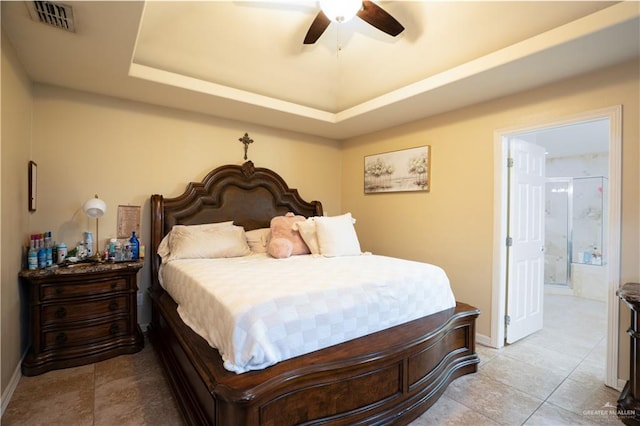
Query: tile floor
[{"x": 553, "y": 377}]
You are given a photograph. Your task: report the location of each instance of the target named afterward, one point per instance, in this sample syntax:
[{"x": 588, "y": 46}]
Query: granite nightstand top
[
  {"x": 83, "y": 267},
  {"x": 630, "y": 292}
]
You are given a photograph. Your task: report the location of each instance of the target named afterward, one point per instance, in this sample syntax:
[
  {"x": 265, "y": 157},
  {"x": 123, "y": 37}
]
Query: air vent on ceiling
[{"x": 51, "y": 13}]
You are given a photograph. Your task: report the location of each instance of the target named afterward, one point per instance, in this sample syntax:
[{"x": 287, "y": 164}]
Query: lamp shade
[
  {"x": 94, "y": 207},
  {"x": 340, "y": 10}
]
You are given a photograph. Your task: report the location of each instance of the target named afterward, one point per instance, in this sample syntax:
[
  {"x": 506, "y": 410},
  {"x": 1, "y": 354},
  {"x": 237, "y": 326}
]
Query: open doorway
[
  {"x": 610, "y": 240},
  {"x": 576, "y": 208}
]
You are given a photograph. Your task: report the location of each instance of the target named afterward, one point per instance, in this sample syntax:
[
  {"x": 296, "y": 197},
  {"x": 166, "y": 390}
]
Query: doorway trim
[{"x": 499, "y": 276}]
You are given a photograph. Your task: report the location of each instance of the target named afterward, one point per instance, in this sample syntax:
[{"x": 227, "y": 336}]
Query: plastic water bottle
[
  {"x": 62, "y": 253},
  {"x": 42, "y": 253},
  {"x": 119, "y": 252},
  {"x": 112, "y": 249},
  {"x": 135, "y": 246},
  {"x": 88, "y": 240},
  {"x": 32, "y": 254}
]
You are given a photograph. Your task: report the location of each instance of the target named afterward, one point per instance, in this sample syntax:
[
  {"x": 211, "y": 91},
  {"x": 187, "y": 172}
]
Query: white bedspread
[{"x": 258, "y": 311}]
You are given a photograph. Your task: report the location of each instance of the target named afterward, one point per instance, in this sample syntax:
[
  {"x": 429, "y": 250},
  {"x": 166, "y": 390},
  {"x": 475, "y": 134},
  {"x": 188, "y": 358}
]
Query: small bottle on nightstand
[
  {"x": 135, "y": 246},
  {"x": 32, "y": 255}
]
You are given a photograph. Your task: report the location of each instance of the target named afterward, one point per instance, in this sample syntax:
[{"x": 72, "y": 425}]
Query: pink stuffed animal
[{"x": 285, "y": 241}]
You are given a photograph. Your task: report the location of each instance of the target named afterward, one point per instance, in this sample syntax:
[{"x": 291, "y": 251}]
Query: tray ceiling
[{"x": 245, "y": 60}]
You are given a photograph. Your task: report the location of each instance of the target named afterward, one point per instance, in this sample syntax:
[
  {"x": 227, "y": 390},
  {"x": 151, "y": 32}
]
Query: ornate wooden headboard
[{"x": 249, "y": 196}]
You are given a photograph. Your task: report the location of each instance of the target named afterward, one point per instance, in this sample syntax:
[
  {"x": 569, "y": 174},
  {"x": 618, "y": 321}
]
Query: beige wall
[
  {"x": 14, "y": 225},
  {"x": 125, "y": 151},
  {"x": 452, "y": 225}
]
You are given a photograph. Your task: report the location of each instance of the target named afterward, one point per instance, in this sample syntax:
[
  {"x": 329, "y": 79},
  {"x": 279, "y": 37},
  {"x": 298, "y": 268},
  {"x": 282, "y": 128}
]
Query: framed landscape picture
[{"x": 398, "y": 171}]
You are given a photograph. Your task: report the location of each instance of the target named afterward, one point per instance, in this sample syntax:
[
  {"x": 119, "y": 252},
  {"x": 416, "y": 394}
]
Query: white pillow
[
  {"x": 257, "y": 239},
  {"x": 337, "y": 236},
  {"x": 204, "y": 241},
  {"x": 307, "y": 230}
]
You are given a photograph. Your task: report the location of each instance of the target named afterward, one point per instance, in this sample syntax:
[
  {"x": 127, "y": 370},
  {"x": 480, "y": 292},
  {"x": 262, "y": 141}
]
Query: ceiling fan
[{"x": 343, "y": 10}]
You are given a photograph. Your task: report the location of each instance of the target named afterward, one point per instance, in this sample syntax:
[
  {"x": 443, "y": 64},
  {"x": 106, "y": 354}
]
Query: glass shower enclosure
[{"x": 574, "y": 232}]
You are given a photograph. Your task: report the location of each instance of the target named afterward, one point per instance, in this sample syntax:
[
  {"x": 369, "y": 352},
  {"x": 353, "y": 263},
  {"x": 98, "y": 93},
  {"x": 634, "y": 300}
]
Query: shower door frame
[{"x": 569, "y": 181}]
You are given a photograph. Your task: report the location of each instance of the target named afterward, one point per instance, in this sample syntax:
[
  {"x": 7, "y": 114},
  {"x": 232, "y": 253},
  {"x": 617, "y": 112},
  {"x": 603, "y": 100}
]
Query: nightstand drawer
[
  {"x": 78, "y": 289},
  {"x": 81, "y": 336},
  {"x": 64, "y": 313}
]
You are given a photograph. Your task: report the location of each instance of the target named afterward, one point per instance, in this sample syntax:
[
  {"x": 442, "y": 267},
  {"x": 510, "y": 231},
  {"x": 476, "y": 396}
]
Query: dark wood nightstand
[
  {"x": 629, "y": 401},
  {"x": 81, "y": 314}
]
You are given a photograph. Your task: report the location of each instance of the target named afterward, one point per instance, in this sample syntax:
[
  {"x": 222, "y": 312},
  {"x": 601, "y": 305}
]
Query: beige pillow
[
  {"x": 337, "y": 236},
  {"x": 204, "y": 242},
  {"x": 307, "y": 230},
  {"x": 257, "y": 239},
  {"x": 164, "y": 249}
]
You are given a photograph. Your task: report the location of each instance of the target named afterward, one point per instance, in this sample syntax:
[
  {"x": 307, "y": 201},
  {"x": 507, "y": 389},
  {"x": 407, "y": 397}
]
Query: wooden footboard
[{"x": 387, "y": 377}]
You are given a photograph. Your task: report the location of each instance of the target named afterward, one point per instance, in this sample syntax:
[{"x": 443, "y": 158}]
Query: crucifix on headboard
[{"x": 246, "y": 140}]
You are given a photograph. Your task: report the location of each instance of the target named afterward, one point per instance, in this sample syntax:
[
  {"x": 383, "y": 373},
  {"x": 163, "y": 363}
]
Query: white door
[{"x": 525, "y": 251}]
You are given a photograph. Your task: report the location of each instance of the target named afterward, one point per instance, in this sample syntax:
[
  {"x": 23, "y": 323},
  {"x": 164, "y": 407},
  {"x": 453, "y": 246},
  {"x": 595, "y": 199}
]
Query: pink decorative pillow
[{"x": 282, "y": 228}]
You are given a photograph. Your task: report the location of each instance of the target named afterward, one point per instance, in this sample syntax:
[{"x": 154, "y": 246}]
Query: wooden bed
[{"x": 387, "y": 377}]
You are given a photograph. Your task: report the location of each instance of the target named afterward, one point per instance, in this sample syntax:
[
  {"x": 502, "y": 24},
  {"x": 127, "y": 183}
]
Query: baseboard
[
  {"x": 11, "y": 388},
  {"x": 483, "y": 340}
]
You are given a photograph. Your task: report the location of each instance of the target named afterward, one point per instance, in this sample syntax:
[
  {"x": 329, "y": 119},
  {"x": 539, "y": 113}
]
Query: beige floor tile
[
  {"x": 550, "y": 415},
  {"x": 595, "y": 402},
  {"x": 447, "y": 412},
  {"x": 533, "y": 380},
  {"x": 589, "y": 371},
  {"x": 486, "y": 353},
  {"x": 558, "y": 341},
  {"x": 60, "y": 397},
  {"x": 540, "y": 356},
  {"x": 136, "y": 401},
  {"x": 494, "y": 400},
  {"x": 139, "y": 364},
  {"x": 132, "y": 390}
]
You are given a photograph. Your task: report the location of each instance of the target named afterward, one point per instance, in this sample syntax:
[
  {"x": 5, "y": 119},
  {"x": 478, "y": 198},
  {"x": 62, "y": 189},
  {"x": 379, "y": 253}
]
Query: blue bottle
[{"x": 135, "y": 246}]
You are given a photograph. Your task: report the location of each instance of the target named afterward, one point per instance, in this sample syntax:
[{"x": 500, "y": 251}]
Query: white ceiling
[
  {"x": 245, "y": 60},
  {"x": 582, "y": 138}
]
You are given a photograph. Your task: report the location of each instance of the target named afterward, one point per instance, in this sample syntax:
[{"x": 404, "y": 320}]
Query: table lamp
[{"x": 95, "y": 208}]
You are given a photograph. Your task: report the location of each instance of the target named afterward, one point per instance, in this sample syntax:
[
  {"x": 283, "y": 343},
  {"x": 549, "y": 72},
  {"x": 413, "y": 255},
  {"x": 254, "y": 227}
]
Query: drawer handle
[
  {"x": 113, "y": 305},
  {"x": 61, "y": 313},
  {"x": 114, "y": 284},
  {"x": 61, "y": 338},
  {"x": 114, "y": 328},
  {"x": 59, "y": 291}
]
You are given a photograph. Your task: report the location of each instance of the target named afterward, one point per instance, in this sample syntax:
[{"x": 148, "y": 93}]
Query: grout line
[{"x": 93, "y": 413}]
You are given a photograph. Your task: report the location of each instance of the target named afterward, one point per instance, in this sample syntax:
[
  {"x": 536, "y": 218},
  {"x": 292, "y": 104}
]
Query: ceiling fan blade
[
  {"x": 317, "y": 28},
  {"x": 376, "y": 16}
]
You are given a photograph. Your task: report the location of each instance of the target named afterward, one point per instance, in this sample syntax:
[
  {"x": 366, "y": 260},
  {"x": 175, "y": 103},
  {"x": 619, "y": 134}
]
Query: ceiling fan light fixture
[{"x": 340, "y": 10}]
